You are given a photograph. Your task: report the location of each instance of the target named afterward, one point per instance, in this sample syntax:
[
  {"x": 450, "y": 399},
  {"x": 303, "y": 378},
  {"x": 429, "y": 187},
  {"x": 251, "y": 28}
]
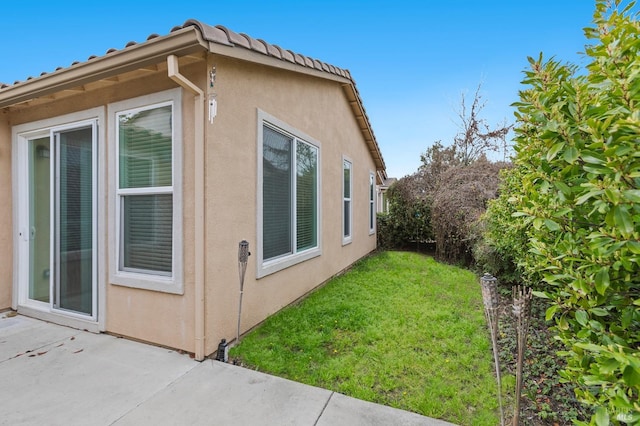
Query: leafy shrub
[
  {"x": 577, "y": 144},
  {"x": 409, "y": 217},
  {"x": 503, "y": 237}
]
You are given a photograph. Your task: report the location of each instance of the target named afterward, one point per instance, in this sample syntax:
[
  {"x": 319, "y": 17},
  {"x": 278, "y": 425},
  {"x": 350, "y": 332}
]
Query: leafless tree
[{"x": 476, "y": 137}]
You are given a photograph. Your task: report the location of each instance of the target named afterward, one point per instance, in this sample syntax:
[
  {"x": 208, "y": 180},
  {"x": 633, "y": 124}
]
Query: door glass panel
[
  {"x": 74, "y": 242},
  {"x": 39, "y": 219}
]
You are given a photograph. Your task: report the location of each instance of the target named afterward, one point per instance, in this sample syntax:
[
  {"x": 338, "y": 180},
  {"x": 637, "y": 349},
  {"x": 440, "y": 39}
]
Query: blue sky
[{"x": 411, "y": 60}]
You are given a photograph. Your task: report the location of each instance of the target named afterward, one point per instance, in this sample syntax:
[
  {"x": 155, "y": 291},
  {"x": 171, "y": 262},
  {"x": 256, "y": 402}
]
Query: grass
[{"x": 397, "y": 329}]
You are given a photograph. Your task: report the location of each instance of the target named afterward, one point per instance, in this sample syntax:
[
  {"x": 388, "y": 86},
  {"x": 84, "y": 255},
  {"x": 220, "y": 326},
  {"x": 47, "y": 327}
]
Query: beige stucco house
[{"x": 128, "y": 180}]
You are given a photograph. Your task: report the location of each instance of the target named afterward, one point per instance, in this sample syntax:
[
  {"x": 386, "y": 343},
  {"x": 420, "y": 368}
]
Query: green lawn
[{"x": 397, "y": 329}]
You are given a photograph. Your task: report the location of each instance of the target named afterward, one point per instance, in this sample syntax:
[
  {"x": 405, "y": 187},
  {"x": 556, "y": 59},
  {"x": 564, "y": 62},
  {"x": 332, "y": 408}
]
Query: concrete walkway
[{"x": 56, "y": 375}]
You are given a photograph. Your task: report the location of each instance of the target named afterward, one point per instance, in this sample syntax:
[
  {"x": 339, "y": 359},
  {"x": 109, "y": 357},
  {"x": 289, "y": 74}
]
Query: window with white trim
[
  {"x": 289, "y": 202},
  {"x": 148, "y": 213},
  {"x": 372, "y": 204},
  {"x": 346, "y": 201}
]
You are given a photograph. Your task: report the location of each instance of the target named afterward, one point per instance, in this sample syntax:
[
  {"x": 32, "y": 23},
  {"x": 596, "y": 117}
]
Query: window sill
[
  {"x": 271, "y": 266},
  {"x": 147, "y": 282}
]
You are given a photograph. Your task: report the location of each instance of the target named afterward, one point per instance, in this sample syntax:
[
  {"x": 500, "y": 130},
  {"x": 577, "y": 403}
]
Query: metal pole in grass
[
  {"x": 522, "y": 311},
  {"x": 243, "y": 257},
  {"x": 489, "y": 286}
]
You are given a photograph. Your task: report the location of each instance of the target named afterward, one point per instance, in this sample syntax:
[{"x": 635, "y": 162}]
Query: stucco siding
[
  {"x": 6, "y": 239},
  {"x": 316, "y": 107},
  {"x": 165, "y": 319},
  {"x": 156, "y": 317}
]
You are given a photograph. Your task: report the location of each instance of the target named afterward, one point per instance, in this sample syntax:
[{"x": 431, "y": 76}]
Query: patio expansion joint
[
  {"x": 151, "y": 396},
  {"x": 324, "y": 408}
]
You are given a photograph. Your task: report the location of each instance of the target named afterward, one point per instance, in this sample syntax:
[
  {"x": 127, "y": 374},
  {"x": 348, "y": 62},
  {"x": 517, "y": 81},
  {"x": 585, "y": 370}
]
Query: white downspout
[{"x": 174, "y": 74}]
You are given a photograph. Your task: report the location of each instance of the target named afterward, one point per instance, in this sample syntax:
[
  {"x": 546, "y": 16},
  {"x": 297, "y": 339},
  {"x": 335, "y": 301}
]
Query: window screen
[
  {"x": 145, "y": 190},
  {"x": 372, "y": 209},
  {"x": 289, "y": 194},
  {"x": 346, "y": 197}
]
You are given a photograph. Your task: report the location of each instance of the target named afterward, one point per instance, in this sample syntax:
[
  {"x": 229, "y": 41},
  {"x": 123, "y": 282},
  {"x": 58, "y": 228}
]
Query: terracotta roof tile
[
  {"x": 272, "y": 49},
  {"x": 299, "y": 58},
  {"x": 264, "y": 45},
  {"x": 256, "y": 46},
  {"x": 232, "y": 37},
  {"x": 244, "y": 41},
  {"x": 287, "y": 55}
]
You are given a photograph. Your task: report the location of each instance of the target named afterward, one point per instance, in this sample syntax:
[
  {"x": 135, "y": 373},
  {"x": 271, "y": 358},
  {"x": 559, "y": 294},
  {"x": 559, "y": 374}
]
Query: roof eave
[
  {"x": 258, "y": 58},
  {"x": 365, "y": 127},
  {"x": 182, "y": 42}
]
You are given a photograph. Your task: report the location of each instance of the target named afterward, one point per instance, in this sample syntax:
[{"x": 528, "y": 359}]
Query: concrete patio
[{"x": 56, "y": 375}]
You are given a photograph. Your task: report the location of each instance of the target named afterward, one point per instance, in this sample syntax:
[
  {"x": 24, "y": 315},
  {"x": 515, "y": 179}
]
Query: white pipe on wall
[{"x": 174, "y": 74}]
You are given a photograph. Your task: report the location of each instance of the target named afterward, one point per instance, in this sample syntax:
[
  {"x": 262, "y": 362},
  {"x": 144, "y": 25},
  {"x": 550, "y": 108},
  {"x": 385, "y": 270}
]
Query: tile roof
[{"x": 224, "y": 36}]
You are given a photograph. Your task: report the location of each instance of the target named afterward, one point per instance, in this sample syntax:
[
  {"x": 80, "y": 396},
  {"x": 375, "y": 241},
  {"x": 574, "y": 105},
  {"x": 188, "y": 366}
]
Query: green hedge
[{"x": 578, "y": 204}]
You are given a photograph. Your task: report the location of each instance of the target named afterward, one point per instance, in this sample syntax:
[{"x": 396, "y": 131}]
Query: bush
[
  {"x": 459, "y": 201},
  {"x": 577, "y": 144},
  {"x": 409, "y": 219},
  {"x": 503, "y": 237}
]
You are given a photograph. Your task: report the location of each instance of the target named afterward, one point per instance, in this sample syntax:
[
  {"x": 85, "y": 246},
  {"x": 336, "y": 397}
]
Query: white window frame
[
  {"x": 347, "y": 238},
  {"x": 162, "y": 282},
  {"x": 372, "y": 203},
  {"x": 264, "y": 268}
]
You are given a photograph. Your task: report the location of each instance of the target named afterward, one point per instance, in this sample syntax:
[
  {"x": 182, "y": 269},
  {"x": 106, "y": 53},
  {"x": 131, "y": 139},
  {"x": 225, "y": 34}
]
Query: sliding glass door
[{"x": 60, "y": 272}]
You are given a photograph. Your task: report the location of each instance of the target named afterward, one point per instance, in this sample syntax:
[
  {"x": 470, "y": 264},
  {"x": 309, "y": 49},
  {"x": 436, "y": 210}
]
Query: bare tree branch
[{"x": 476, "y": 137}]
